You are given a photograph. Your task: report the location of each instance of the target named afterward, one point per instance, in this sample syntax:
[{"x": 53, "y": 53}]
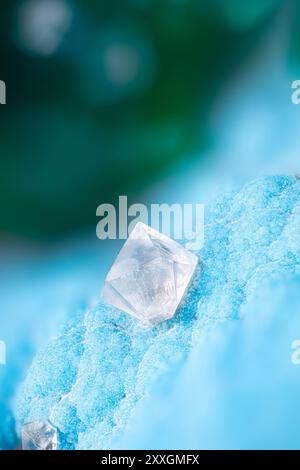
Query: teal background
[{"x": 104, "y": 98}]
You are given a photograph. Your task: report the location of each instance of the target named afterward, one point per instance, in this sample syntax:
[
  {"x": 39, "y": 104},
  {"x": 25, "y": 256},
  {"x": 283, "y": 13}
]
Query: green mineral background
[{"x": 105, "y": 97}]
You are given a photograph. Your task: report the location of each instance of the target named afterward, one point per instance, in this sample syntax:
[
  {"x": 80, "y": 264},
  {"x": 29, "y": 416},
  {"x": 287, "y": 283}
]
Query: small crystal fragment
[
  {"x": 149, "y": 276},
  {"x": 39, "y": 435}
]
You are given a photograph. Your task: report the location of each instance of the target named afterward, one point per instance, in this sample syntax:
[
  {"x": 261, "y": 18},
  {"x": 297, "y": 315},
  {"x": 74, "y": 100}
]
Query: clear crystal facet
[
  {"x": 149, "y": 276},
  {"x": 39, "y": 435}
]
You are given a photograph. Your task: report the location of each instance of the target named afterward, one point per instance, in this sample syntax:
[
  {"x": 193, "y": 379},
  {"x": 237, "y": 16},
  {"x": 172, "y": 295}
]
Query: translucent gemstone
[
  {"x": 39, "y": 435},
  {"x": 149, "y": 276}
]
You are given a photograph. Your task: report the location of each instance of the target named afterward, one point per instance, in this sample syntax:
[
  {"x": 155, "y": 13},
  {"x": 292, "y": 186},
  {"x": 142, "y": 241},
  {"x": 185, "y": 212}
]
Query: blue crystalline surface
[
  {"x": 105, "y": 381},
  {"x": 238, "y": 389},
  {"x": 38, "y": 289}
]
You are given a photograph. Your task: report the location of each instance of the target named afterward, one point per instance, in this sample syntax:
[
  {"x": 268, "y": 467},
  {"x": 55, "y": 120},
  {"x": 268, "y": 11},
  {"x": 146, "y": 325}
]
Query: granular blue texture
[
  {"x": 238, "y": 389},
  {"x": 100, "y": 380},
  {"x": 38, "y": 291}
]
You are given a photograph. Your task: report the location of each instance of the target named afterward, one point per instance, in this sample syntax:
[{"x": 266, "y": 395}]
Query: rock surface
[{"x": 102, "y": 379}]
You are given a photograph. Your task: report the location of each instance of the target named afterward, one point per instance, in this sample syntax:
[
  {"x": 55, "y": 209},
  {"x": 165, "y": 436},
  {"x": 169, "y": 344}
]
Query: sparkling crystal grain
[
  {"x": 149, "y": 276},
  {"x": 39, "y": 435}
]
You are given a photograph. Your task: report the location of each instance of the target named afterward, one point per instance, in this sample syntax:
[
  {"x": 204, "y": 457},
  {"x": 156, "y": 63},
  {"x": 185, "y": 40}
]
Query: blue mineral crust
[{"x": 219, "y": 374}]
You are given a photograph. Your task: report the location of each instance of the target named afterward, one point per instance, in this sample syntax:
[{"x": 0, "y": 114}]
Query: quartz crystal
[
  {"x": 149, "y": 276},
  {"x": 39, "y": 435}
]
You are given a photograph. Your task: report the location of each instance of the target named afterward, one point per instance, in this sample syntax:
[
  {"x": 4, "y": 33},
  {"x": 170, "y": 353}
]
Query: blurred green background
[{"x": 104, "y": 96}]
